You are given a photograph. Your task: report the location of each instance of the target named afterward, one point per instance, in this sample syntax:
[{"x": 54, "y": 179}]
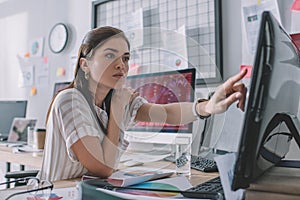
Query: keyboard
[
  {"x": 203, "y": 164},
  {"x": 211, "y": 186},
  {"x": 199, "y": 163}
]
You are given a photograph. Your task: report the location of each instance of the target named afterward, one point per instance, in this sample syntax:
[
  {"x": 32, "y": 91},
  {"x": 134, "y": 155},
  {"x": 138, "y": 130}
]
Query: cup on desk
[
  {"x": 30, "y": 133},
  {"x": 183, "y": 155},
  {"x": 39, "y": 137}
]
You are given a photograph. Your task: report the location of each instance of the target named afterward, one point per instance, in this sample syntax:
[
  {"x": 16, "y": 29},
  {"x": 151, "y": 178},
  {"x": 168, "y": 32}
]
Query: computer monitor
[
  {"x": 59, "y": 86},
  {"x": 8, "y": 111},
  {"x": 162, "y": 88},
  {"x": 274, "y": 95}
]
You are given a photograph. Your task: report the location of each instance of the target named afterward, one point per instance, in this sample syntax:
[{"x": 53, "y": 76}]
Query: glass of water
[{"x": 183, "y": 155}]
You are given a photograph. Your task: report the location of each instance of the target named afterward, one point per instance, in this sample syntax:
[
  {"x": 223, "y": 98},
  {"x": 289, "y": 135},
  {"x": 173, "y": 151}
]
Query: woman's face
[{"x": 109, "y": 65}]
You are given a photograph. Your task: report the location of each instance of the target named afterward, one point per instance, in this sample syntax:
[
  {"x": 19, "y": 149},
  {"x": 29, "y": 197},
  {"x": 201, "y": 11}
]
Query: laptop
[{"x": 18, "y": 131}]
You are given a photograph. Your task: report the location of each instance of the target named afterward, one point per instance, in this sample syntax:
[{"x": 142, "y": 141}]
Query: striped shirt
[{"x": 70, "y": 119}]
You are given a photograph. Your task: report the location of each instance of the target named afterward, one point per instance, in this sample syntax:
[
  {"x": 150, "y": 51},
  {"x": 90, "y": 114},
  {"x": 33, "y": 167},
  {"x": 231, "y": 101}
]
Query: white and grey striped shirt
[{"x": 69, "y": 120}]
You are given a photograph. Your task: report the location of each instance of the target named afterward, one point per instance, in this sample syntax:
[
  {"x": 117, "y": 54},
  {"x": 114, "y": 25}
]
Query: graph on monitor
[{"x": 162, "y": 88}]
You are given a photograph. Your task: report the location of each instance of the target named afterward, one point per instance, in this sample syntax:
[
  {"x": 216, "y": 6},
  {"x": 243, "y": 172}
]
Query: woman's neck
[{"x": 100, "y": 94}]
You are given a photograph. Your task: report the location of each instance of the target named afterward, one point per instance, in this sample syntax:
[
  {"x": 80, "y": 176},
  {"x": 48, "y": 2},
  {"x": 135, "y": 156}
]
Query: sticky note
[
  {"x": 27, "y": 55},
  {"x": 296, "y": 5},
  {"x": 45, "y": 59},
  {"x": 249, "y": 70},
  {"x": 33, "y": 91},
  {"x": 60, "y": 71}
]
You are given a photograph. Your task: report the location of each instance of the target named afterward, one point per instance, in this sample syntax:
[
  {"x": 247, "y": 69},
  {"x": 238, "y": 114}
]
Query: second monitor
[{"x": 162, "y": 88}]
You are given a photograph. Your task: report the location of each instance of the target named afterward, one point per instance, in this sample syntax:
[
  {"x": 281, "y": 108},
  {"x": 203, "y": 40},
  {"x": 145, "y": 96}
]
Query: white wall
[{"x": 22, "y": 21}]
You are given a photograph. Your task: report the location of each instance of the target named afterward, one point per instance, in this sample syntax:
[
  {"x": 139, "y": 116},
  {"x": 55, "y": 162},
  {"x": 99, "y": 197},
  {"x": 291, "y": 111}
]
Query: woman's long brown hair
[{"x": 92, "y": 40}]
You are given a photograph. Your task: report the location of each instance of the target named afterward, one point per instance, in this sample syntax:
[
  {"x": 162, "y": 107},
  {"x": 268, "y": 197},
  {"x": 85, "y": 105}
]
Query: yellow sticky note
[
  {"x": 60, "y": 71},
  {"x": 33, "y": 91}
]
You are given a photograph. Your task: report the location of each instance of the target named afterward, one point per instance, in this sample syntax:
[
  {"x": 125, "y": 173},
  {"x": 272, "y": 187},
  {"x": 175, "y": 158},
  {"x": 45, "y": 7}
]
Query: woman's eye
[
  {"x": 110, "y": 56},
  {"x": 126, "y": 59}
]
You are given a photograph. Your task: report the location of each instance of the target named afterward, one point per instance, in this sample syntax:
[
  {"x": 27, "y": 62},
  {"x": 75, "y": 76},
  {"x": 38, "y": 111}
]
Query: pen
[{"x": 188, "y": 194}]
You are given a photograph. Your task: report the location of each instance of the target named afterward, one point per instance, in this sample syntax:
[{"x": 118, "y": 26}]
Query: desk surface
[
  {"x": 6, "y": 155},
  {"x": 276, "y": 184},
  {"x": 28, "y": 159},
  {"x": 196, "y": 177}
]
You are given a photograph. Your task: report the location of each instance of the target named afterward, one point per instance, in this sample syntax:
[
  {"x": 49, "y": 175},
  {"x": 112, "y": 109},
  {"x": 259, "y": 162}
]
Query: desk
[
  {"x": 276, "y": 184},
  {"x": 195, "y": 178},
  {"x": 28, "y": 159},
  {"x": 24, "y": 159},
  {"x": 6, "y": 155}
]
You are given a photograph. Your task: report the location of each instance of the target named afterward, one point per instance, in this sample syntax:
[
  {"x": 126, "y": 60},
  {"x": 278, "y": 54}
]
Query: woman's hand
[
  {"x": 123, "y": 96},
  {"x": 226, "y": 94},
  {"x": 120, "y": 99}
]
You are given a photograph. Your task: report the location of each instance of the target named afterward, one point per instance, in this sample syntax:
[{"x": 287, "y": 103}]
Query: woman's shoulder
[{"x": 70, "y": 94}]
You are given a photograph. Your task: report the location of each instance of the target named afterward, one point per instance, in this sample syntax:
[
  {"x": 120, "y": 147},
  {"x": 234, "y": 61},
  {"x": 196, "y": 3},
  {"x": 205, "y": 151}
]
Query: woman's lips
[{"x": 118, "y": 76}]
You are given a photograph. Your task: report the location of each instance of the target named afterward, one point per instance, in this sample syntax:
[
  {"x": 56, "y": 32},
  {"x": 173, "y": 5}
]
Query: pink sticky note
[
  {"x": 296, "y": 5},
  {"x": 45, "y": 59},
  {"x": 249, "y": 70}
]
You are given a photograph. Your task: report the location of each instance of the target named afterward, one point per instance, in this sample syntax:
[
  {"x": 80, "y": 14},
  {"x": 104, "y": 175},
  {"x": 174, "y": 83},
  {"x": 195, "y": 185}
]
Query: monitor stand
[
  {"x": 150, "y": 148},
  {"x": 293, "y": 124}
]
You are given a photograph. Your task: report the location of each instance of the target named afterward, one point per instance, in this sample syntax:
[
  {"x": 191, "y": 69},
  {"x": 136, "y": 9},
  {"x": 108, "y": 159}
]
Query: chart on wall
[{"x": 167, "y": 34}]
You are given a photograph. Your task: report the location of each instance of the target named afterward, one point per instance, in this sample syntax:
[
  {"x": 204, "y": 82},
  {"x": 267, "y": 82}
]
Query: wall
[{"x": 22, "y": 21}]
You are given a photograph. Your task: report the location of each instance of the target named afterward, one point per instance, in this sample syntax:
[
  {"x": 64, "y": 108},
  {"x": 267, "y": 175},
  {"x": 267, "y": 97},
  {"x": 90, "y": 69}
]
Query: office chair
[{"x": 20, "y": 174}]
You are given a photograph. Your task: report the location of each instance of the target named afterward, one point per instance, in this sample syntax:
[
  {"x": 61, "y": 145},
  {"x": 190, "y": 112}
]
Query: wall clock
[{"x": 58, "y": 37}]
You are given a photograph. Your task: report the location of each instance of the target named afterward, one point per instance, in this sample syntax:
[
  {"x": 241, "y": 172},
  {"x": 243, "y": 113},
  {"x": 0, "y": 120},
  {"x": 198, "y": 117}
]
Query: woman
[{"x": 86, "y": 121}]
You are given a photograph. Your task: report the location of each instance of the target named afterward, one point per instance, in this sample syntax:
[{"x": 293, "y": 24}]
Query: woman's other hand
[{"x": 123, "y": 96}]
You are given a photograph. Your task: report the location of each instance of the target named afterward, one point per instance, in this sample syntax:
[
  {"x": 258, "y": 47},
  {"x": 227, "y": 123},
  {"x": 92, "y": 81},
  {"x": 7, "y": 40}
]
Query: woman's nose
[{"x": 120, "y": 63}]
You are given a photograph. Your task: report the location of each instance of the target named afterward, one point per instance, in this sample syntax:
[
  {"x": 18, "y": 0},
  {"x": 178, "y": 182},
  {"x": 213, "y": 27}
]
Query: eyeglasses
[{"x": 35, "y": 187}]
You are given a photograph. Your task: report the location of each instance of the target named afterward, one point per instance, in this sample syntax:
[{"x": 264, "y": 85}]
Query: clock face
[{"x": 58, "y": 38}]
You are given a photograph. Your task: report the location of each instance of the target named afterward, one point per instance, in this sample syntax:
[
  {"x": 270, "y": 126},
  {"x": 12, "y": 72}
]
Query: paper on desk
[
  {"x": 225, "y": 165},
  {"x": 26, "y": 148},
  {"x": 175, "y": 183}
]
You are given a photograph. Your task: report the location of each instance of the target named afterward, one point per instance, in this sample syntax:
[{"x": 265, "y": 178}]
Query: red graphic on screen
[{"x": 163, "y": 89}]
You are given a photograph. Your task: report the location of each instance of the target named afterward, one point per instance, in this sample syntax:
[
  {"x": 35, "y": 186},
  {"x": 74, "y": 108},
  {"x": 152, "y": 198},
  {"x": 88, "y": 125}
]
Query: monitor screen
[
  {"x": 163, "y": 88},
  {"x": 8, "y": 111},
  {"x": 274, "y": 90},
  {"x": 59, "y": 86}
]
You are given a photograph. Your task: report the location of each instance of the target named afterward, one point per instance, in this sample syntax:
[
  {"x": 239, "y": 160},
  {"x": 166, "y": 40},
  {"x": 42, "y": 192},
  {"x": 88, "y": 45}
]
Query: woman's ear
[{"x": 84, "y": 65}]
